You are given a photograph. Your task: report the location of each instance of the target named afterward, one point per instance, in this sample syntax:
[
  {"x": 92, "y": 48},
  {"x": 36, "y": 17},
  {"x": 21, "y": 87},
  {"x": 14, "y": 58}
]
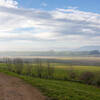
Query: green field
[{"x": 78, "y": 68}]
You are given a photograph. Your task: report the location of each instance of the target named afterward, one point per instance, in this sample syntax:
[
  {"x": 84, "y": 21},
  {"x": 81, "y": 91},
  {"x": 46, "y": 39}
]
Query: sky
[{"x": 40, "y": 25}]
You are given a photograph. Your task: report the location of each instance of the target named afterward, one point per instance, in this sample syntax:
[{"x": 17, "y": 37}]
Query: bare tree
[
  {"x": 50, "y": 70},
  {"x": 39, "y": 68},
  {"x": 8, "y": 62},
  {"x": 29, "y": 70},
  {"x": 19, "y": 64}
]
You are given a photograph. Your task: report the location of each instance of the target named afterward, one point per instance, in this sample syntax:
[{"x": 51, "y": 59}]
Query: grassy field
[
  {"x": 91, "y": 58},
  {"x": 62, "y": 90},
  {"x": 77, "y": 68}
]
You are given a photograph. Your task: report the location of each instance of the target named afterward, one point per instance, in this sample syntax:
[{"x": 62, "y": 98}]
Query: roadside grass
[{"x": 61, "y": 90}]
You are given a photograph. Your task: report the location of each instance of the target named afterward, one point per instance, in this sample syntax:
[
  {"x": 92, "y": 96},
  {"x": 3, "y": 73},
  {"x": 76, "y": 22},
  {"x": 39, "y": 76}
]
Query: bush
[
  {"x": 97, "y": 79},
  {"x": 98, "y": 82},
  {"x": 72, "y": 75},
  {"x": 87, "y": 77}
]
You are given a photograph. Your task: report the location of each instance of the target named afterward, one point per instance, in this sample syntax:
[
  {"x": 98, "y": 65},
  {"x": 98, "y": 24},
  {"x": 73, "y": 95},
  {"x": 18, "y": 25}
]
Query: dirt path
[{"x": 12, "y": 88}]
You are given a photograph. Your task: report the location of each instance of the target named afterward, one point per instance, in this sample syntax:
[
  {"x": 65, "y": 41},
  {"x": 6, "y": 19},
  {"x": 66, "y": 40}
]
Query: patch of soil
[{"x": 12, "y": 88}]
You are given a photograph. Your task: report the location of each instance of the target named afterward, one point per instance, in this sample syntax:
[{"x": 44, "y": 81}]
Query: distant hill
[
  {"x": 52, "y": 53},
  {"x": 82, "y": 51},
  {"x": 88, "y": 48}
]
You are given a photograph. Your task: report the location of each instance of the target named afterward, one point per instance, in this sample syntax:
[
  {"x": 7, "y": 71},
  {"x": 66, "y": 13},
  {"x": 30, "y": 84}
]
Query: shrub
[
  {"x": 97, "y": 79},
  {"x": 98, "y": 82},
  {"x": 87, "y": 77},
  {"x": 72, "y": 75}
]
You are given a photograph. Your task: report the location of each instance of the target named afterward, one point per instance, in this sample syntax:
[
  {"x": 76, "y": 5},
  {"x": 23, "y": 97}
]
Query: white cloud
[
  {"x": 8, "y": 3},
  {"x": 58, "y": 27}
]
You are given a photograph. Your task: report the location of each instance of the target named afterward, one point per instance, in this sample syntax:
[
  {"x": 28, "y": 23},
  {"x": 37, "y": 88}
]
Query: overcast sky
[{"x": 27, "y": 25}]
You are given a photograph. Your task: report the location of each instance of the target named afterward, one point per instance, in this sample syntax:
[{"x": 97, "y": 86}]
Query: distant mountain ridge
[
  {"x": 88, "y": 48},
  {"x": 82, "y": 51}
]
